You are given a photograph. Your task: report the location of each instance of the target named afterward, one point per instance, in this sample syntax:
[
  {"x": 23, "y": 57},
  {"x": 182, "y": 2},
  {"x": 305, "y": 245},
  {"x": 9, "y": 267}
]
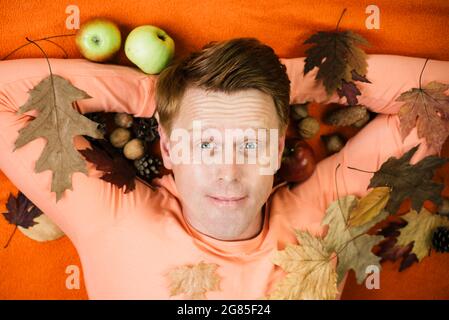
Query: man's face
[{"x": 222, "y": 195}]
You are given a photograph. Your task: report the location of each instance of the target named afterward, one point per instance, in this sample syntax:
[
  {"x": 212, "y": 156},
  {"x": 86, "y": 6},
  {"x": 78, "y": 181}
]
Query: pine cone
[
  {"x": 440, "y": 239},
  {"x": 347, "y": 116},
  {"x": 145, "y": 129},
  {"x": 148, "y": 167}
]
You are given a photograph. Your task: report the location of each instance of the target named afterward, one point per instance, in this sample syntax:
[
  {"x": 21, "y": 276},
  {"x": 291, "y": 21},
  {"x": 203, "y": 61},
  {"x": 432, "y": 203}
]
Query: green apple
[
  {"x": 98, "y": 39},
  {"x": 150, "y": 48}
]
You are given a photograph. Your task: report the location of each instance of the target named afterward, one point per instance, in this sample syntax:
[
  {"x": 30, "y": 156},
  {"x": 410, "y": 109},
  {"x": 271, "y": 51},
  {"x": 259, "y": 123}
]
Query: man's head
[{"x": 238, "y": 93}]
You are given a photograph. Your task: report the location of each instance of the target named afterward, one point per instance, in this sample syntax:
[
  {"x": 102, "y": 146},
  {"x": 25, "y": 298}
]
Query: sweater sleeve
[
  {"x": 390, "y": 75},
  {"x": 376, "y": 142},
  {"x": 92, "y": 203}
]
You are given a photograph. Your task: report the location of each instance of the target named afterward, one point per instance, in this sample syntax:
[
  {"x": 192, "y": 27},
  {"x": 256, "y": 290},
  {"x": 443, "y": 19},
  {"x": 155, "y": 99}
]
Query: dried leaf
[
  {"x": 419, "y": 230},
  {"x": 388, "y": 250},
  {"x": 194, "y": 280},
  {"x": 57, "y": 122},
  {"x": 408, "y": 260},
  {"x": 358, "y": 77},
  {"x": 311, "y": 274},
  {"x": 21, "y": 212},
  {"x": 428, "y": 109},
  {"x": 352, "y": 245},
  {"x": 118, "y": 170},
  {"x": 350, "y": 91},
  {"x": 409, "y": 181},
  {"x": 369, "y": 206},
  {"x": 392, "y": 228},
  {"x": 339, "y": 60}
]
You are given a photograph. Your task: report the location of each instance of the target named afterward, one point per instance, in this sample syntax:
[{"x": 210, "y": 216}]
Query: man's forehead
[{"x": 245, "y": 108}]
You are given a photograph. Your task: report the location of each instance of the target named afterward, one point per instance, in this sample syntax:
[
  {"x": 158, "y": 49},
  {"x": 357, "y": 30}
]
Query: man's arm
[
  {"x": 380, "y": 139},
  {"x": 93, "y": 203}
]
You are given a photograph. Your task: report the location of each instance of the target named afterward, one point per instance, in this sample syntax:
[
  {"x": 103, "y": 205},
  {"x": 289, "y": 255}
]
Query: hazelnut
[
  {"x": 333, "y": 143},
  {"x": 299, "y": 111},
  {"x": 123, "y": 120},
  {"x": 134, "y": 149},
  {"x": 119, "y": 137},
  {"x": 308, "y": 127}
]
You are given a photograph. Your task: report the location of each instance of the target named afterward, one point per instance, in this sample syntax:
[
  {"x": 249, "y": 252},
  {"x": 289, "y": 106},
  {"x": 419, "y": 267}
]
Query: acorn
[
  {"x": 119, "y": 137},
  {"x": 123, "y": 120},
  {"x": 134, "y": 149},
  {"x": 308, "y": 127},
  {"x": 299, "y": 110},
  {"x": 333, "y": 142}
]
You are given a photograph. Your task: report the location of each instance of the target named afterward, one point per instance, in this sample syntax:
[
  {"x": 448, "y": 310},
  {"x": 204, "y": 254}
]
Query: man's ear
[{"x": 164, "y": 142}]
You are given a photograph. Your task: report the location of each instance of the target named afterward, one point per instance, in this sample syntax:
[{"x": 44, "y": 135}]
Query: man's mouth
[{"x": 227, "y": 200}]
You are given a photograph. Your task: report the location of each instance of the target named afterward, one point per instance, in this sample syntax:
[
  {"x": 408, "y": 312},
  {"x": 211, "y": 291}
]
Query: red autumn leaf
[
  {"x": 117, "y": 170},
  {"x": 388, "y": 250},
  {"x": 349, "y": 89}
]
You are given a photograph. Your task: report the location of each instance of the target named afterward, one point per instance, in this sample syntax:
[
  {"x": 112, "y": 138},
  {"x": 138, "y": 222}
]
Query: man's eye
[
  {"x": 250, "y": 145},
  {"x": 206, "y": 145}
]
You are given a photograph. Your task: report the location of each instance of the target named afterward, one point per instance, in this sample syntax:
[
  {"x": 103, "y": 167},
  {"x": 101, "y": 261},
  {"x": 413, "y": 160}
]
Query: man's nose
[{"x": 229, "y": 172}]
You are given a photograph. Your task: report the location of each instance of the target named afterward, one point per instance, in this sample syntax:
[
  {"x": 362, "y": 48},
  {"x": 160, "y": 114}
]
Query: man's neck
[{"x": 252, "y": 231}]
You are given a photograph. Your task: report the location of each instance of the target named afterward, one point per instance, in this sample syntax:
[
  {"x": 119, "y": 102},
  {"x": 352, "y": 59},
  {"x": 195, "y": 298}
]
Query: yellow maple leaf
[
  {"x": 419, "y": 230},
  {"x": 194, "y": 280},
  {"x": 311, "y": 272},
  {"x": 369, "y": 206}
]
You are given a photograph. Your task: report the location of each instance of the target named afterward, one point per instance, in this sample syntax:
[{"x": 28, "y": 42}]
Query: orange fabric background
[{"x": 32, "y": 270}]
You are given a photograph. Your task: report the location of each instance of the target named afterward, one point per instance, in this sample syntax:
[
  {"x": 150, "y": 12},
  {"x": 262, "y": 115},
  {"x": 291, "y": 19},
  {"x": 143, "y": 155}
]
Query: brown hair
[{"x": 227, "y": 66}]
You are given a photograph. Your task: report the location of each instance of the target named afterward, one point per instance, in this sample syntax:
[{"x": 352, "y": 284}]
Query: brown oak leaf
[{"x": 57, "y": 122}]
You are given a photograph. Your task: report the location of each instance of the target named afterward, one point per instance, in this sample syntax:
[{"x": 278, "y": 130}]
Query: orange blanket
[{"x": 31, "y": 270}]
